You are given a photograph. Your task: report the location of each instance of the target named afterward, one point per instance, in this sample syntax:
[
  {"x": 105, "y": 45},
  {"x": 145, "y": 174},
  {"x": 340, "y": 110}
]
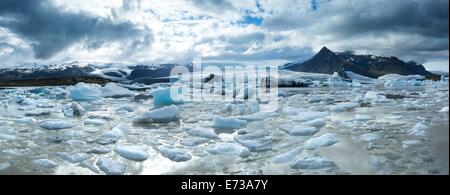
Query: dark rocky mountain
[
  {"x": 328, "y": 62},
  {"x": 152, "y": 74}
]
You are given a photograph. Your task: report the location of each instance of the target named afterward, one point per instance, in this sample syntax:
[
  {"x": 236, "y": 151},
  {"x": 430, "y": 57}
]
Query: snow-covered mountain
[{"x": 69, "y": 73}]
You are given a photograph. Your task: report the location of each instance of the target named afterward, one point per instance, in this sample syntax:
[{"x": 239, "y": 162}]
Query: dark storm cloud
[{"x": 50, "y": 30}]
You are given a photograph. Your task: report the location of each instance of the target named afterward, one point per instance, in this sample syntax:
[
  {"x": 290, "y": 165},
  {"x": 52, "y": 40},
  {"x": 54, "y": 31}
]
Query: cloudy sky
[{"x": 246, "y": 31}]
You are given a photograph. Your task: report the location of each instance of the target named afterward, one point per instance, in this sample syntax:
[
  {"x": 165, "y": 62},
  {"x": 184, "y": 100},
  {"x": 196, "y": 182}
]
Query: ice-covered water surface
[{"x": 323, "y": 129}]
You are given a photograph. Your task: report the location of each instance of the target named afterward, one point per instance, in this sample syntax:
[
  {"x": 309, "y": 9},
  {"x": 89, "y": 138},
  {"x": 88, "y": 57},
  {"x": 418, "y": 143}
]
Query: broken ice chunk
[
  {"x": 56, "y": 124},
  {"x": 73, "y": 109},
  {"x": 317, "y": 123},
  {"x": 136, "y": 153},
  {"x": 85, "y": 92},
  {"x": 76, "y": 158},
  {"x": 111, "y": 167},
  {"x": 125, "y": 108},
  {"x": 418, "y": 130},
  {"x": 228, "y": 123},
  {"x": 45, "y": 163},
  {"x": 309, "y": 115},
  {"x": 162, "y": 115},
  {"x": 444, "y": 109},
  {"x": 287, "y": 157},
  {"x": 369, "y": 137},
  {"x": 258, "y": 116},
  {"x": 27, "y": 120},
  {"x": 299, "y": 130},
  {"x": 4, "y": 166},
  {"x": 344, "y": 106},
  {"x": 360, "y": 117},
  {"x": 316, "y": 162},
  {"x": 201, "y": 132},
  {"x": 326, "y": 139},
  {"x": 164, "y": 97},
  {"x": 112, "y": 90},
  {"x": 95, "y": 122},
  {"x": 174, "y": 154},
  {"x": 228, "y": 149}
]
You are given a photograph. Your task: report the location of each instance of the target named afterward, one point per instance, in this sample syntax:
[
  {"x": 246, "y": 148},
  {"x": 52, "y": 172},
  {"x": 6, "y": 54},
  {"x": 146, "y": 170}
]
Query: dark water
[{"x": 439, "y": 138}]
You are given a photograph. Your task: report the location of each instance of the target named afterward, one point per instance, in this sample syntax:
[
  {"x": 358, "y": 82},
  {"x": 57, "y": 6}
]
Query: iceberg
[
  {"x": 397, "y": 77},
  {"x": 228, "y": 123},
  {"x": 136, "y": 153},
  {"x": 85, "y": 92},
  {"x": 299, "y": 130},
  {"x": 56, "y": 124},
  {"x": 176, "y": 155},
  {"x": 163, "y": 97},
  {"x": 162, "y": 115},
  {"x": 111, "y": 167},
  {"x": 326, "y": 139},
  {"x": 112, "y": 90}
]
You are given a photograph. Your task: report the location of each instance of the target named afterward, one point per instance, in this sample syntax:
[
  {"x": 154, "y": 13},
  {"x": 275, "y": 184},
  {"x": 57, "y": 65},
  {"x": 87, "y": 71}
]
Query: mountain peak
[{"x": 325, "y": 50}]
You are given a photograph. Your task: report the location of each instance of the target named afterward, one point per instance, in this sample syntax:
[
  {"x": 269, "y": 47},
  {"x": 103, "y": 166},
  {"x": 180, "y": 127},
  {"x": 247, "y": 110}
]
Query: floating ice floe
[
  {"x": 85, "y": 92},
  {"x": 288, "y": 156},
  {"x": 45, "y": 163},
  {"x": 317, "y": 123},
  {"x": 359, "y": 78},
  {"x": 27, "y": 120},
  {"x": 125, "y": 108},
  {"x": 408, "y": 143},
  {"x": 220, "y": 122},
  {"x": 194, "y": 141},
  {"x": 201, "y": 132},
  {"x": 4, "y": 166},
  {"x": 394, "y": 77},
  {"x": 136, "y": 153},
  {"x": 112, "y": 136},
  {"x": 176, "y": 155},
  {"x": 326, "y": 139},
  {"x": 309, "y": 115},
  {"x": 418, "y": 130},
  {"x": 95, "y": 122},
  {"x": 361, "y": 117},
  {"x": 111, "y": 167},
  {"x": 255, "y": 141},
  {"x": 444, "y": 109},
  {"x": 73, "y": 109},
  {"x": 258, "y": 116},
  {"x": 112, "y": 90},
  {"x": 315, "y": 162},
  {"x": 228, "y": 149},
  {"x": 164, "y": 97},
  {"x": 56, "y": 124},
  {"x": 299, "y": 130},
  {"x": 162, "y": 115},
  {"x": 344, "y": 106},
  {"x": 369, "y": 137},
  {"x": 99, "y": 150},
  {"x": 4, "y": 136},
  {"x": 75, "y": 158}
]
